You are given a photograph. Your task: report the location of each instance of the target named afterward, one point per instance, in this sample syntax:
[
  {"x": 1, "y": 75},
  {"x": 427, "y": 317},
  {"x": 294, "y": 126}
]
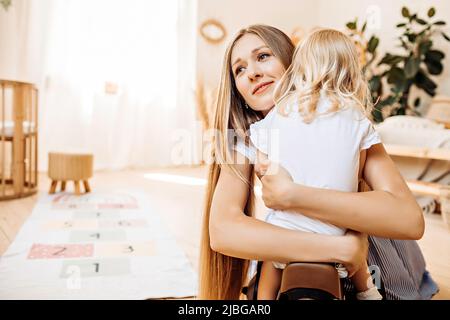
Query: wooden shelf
[
  {"x": 434, "y": 190},
  {"x": 417, "y": 152}
]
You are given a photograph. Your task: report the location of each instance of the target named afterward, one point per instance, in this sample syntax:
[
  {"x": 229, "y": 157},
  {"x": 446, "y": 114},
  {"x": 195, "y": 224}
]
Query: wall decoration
[{"x": 212, "y": 31}]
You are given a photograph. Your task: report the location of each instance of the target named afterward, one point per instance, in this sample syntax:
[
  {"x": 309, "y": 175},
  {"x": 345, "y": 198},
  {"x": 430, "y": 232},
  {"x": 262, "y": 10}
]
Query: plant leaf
[
  {"x": 364, "y": 27},
  {"x": 425, "y": 46},
  {"x": 388, "y": 101},
  {"x": 431, "y": 12},
  {"x": 400, "y": 112},
  {"x": 434, "y": 67},
  {"x": 373, "y": 44},
  {"x": 412, "y": 67},
  {"x": 396, "y": 76},
  {"x": 445, "y": 36},
  {"x": 401, "y": 25},
  {"x": 411, "y": 37},
  {"x": 405, "y": 12},
  {"x": 390, "y": 59},
  {"x": 375, "y": 84},
  {"x": 423, "y": 82},
  {"x": 440, "y": 23},
  {"x": 377, "y": 114},
  {"x": 351, "y": 25},
  {"x": 421, "y": 21},
  {"x": 434, "y": 55}
]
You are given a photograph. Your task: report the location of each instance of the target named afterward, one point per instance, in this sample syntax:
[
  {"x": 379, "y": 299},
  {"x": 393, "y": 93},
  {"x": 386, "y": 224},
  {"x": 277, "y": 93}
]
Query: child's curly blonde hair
[{"x": 326, "y": 62}]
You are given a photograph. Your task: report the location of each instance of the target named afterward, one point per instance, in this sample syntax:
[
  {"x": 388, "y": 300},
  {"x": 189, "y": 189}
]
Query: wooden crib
[{"x": 18, "y": 139}]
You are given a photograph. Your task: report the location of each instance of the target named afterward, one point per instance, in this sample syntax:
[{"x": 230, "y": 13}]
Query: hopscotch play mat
[{"x": 102, "y": 245}]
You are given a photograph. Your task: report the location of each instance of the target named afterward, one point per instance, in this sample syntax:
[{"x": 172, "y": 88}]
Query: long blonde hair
[
  {"x": 221, "y": 276},
  {"x": 325, "y": 62}
]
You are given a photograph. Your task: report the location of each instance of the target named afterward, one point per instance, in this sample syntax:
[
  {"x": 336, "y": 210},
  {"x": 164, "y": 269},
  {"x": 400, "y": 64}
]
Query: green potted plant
[{"x": 413, "y": 67}]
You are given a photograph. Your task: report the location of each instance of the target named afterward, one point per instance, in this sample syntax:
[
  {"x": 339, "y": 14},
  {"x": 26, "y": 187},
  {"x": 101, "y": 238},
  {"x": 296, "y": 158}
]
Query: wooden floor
[{"x": 180, "y": 205}]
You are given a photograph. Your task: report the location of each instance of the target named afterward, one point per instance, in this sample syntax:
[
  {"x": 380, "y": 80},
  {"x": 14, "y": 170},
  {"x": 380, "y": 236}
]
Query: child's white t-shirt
[{"x": 322, "y": 154}]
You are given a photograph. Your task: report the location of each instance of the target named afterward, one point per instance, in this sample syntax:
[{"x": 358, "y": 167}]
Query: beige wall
[
  {"x": 17, "y": 54},
  {"x": 236, "y": 14}
]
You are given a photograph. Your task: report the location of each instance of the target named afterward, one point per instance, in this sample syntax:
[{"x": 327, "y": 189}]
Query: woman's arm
[
  {"x": 235, "y": 234},
  {"x": 389, "y": 211}
]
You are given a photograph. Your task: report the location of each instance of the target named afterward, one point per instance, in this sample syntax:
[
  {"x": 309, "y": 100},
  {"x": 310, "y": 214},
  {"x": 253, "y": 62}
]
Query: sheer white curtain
[{"x": 146, "y": 48}]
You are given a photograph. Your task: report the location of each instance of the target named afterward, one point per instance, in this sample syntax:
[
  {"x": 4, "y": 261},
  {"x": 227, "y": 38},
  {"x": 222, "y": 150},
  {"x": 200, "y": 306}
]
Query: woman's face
[{"x": 256, "y": 72}]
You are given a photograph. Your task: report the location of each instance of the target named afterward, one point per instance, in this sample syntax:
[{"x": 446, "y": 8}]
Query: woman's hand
[
  {"x": 355, "y": 251},
  {"x": 277, "y": 184}
]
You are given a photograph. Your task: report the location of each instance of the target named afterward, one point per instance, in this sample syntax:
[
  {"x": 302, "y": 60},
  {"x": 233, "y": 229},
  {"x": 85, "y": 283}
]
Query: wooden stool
[{"x": 65, "y": 167}]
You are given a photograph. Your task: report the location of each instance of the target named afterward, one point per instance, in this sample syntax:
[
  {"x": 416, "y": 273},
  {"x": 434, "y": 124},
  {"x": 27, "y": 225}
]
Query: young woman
[{"x": 254, "y": 63}]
